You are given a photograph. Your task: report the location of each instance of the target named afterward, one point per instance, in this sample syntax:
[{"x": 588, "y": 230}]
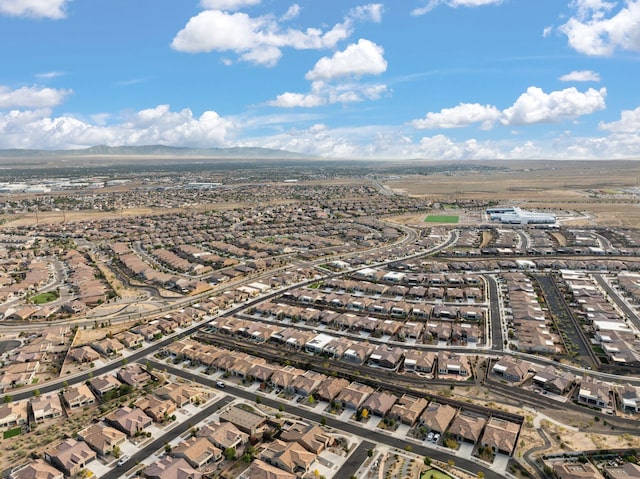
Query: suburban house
[
  {"x": 78, "y": 396},
  {"x": 197, "y": 451},
  {"x": 223, "y": 435},
  {"x": 437, "y": 417},
  {"x": 261, "y": 470},
  {"x": 354, "y": 395},
  {"x": 84, "y": 354},
  {"x": 38, "y": 469},
  {"x": 157, "y": 409},
  {"x": 133, "y": 375},
  {"x": 103, "y": 384},
  {"x": 310, "y": 436},
  {"x": 70, "y": 456},
  {"x": 13, "y": 414},
  {"x": 171, "y": 468},
  {"x": 408, "y": 409},
  {"x": 46, "y": 407},
  {"x": 379, "y": 403},
  {"x": 500, "y": 435},
  {"x": 248, "y": 422},
  {"x": 467, "y": 428},
  {"x": 102, "y": 438},
  {"x": 594, "y": 393},
  {"x": 180, "y": 394},
  {"x": 128, "y": 420},
  {"x": 290, "y": 457}
]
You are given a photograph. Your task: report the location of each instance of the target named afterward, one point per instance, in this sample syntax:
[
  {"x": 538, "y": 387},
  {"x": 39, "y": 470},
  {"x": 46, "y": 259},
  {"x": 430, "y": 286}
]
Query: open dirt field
[{"x": 596, "y": 187}]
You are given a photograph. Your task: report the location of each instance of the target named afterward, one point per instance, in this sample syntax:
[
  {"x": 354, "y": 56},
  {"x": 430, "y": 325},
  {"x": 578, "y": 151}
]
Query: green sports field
[{"x": 441, "y": 219}]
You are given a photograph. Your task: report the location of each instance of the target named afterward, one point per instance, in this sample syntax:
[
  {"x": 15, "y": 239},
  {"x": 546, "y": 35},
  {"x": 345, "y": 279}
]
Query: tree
[
  {"x": 258, "y": 400},
  {"x": 323, "y": 421},
  {"x": 365, "y": 413},
  {"x": 369, "y": 452},
  {"x": 36, "y": 393},
  {"x": 230, "y": 453},
  {"x": 427, "y": 461},
  {"x": 481, "y": 474},
  {"x": 7, "y": 399}
]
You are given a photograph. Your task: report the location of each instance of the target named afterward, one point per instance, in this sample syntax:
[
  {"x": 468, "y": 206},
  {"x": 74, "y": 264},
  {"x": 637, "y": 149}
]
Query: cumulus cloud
[
  {"x": 159, "y": 125},
  {"x": 53, "y": 9},
  {"x": 598, "y": 29},
  {"x": 536, "y": 106},
  {"x": 292, "y": 12},
  {"x": 362, "y": 58},
  {"x": 333, "y": 78},
  {"x": 31, "y": 97},
  {"x": 323, "y": 93},
  {"x": 464, "y": 114},
  {"x": 629, "y": 122},
  {"x": 294, "y": 100},
  {"x": 227, "y": 4},
  {"x": 372, "y": 12},
  {"x": 581, "y": 75},
  {"x": 533, "y": 106},
  {"x": 431, "y": 4},
  {"x": 260, "y": 40}
]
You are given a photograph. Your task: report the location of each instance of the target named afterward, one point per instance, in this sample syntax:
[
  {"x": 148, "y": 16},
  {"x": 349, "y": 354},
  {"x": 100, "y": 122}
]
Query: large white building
[{"x": 518, "y": 216}]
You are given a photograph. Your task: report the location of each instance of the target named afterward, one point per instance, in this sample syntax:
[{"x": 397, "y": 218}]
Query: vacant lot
[{"x": 599, "y": 188}]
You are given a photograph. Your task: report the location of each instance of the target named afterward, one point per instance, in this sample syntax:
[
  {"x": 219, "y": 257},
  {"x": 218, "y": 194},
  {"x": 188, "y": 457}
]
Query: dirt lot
[{"x": 596, "y": 187}]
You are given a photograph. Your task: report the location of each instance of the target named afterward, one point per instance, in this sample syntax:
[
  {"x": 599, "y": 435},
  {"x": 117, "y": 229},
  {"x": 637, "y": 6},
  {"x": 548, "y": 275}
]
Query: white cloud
[
  {"x": 328, "y": 75},
  {"x": 159, "y": 125},
  {"x": 533, "y": 106},
  {"x": 292, "y": 12},
  {"x": 53, "y": 9},
  {"x": 49, "y": 75},
  {"x": 464, "y": 114},
  {"x": 593, "y": 32},
  {"x": 372, "y": 12},
  {"x": 546, "y": 32},
  {"x": 362, "y": 58},
  {"x": 629, "y": 122},
  {"x": 31, "y": 97},
  {"x": 431, "y": 4},
  {"x": 227, "y": 4},
  {"x": 536, "y": 106},
  {"x": 581, "y": 75},
  {"x": 294, "y": 100},
  {"x": 323, "y": 93},
  {"x": 260, "y": 39}
]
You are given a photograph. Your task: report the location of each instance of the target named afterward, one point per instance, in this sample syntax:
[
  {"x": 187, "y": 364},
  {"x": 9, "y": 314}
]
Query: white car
[
  {"x": 220, "y": 384},
  {"x": 436, "y": 437},
  {"x": 430, "y": 436},
  {"x": 122, "y": 460}
]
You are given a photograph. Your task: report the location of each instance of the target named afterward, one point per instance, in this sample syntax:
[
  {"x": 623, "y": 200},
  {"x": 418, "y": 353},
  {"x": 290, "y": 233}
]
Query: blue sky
[{"x": 434, "y": 79}]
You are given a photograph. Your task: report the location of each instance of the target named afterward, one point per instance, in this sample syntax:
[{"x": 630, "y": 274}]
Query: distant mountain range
[{"x": 154, "y": 151}]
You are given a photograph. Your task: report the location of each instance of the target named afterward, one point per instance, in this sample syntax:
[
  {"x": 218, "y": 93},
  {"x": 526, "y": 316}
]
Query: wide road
[
  {"x": 349, "y": 427},
  {"x": 153, "y": 446},
  {"x": 354, "y": 461}
]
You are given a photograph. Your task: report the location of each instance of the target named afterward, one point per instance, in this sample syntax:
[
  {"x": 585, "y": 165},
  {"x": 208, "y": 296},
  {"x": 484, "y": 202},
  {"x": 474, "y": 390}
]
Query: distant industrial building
[{"x": 517, "y": 216}]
